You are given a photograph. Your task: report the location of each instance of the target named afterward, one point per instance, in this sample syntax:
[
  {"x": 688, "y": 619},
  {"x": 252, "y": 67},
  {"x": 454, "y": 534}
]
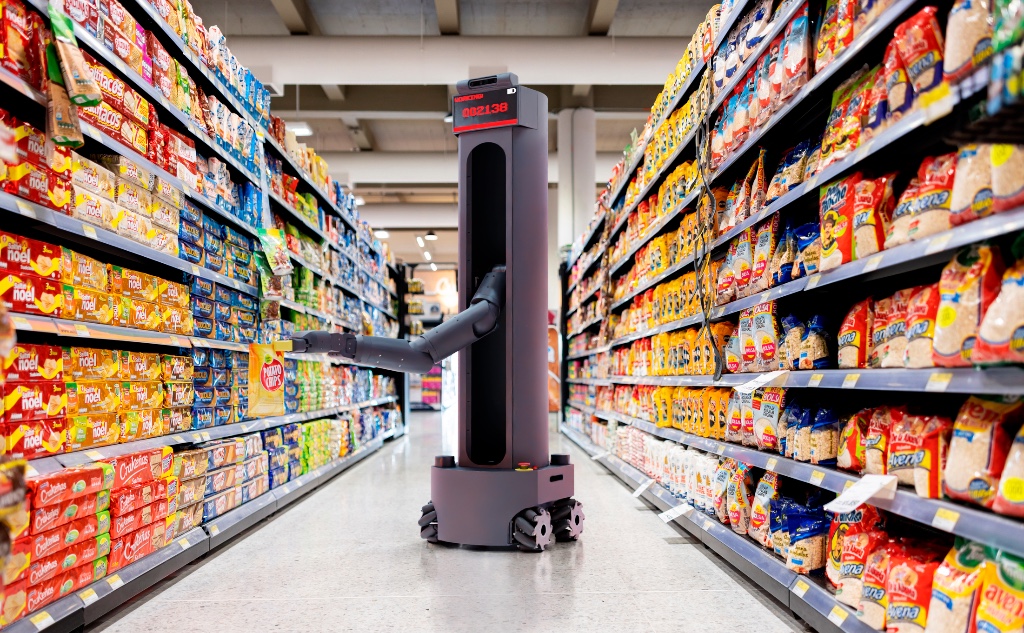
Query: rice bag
[
  {"x": 764, "y": 247},
  {"x": 874, "y": 599},
  {"x": 851, "y": 441},
  {"x": 726, "y": 283},
  {"x": 968, "y": 285},
  {"x": 1007, "y": 176},
  {"x": 801, "y": 435},
  {"x": 766, "y": 336},
  {"x": 767, "y": 407},
  {"x": 743, "y": 263},
  {"x": 982, "y": 436},
  {"x": 781, "y": 268},
  {"x": 902, "y": 449},
  {"x": 971, "y": 21},
  {"x": 931, "y": 213},
  {"x": 779, "y": 526},
  {"x": 739, "y": 498},
  {"x": 1010, "y": 497},
  {"x": 796, "y": 54},
  {"x": 971, "y": 196},
  {"x": 808, "y": 239},
  {"x": 919, "y": 42},
  {"x": 933, "y": 433},
  {"x": 790, "y": 172},
  {"x": 879, "y": 329},
  {"x": 920, "y": 326},
  {"x": 808, "y": 532},
  {"x": 853, "y": 557},
  {"x": 1001, "y": 334},
  {"x": 856, "y": 112},
  {"x": 999, "y": 602},
  {"x": 955, "y": 587},
  {"x": 898, "y": 230},
  {"x": 876, "y": 444},
  {"x": 793, "y": 334},
  {"x": 824, "y": 437},
  {"x": 873, "y": 204},
  {"x": 764, "y": 82},
  {"x": 766, "y": 493},
  {"x": 747, "y": 419},
  {"x": 855, "y": 336},
  {"x": 877, "y": 102},
  {"x": 899, "y": 93},
  {"x": 895, "y": 346},
  {"x": 733, "y": 353},
  {"x": 843, "y": 525},
  {"x": 813, "y": 161},
  {"x": 814, "y": 351},
  {"x": 908, "y": 590},
  {"x": 836, "y": 201}
]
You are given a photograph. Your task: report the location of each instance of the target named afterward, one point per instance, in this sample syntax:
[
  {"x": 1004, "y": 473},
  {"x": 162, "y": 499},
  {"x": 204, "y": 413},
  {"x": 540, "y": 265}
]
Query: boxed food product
[
  {"x": 52, "y": 516},
  {"x": 80, "y": 553},
  {"x": 84, "y": 363},
  {"x": 137, "y": 396},
  {"x": 135, "y": 546},
  {"x": 173, "y": 294},
  {"x": 135, "y": 226},
  {"x": 116, "y": 125},
  {"x": 31, "y": 295},
  {"x": 52, "y": 541},
  {"x": 90, "y": 431},
  {"x": 165, "y": 191},
  {"x": 83, "y": 271},
  {"x": 190, "y": 464},
  {"x": 127, "y": 169},
  {"x": 132, "y": 521},
  {"x": 144, "y": 315},
  {"x": 139, "y": 366},
  {"x": 140, "y": 467},
  {"x": 131, "y": 498},
  {"x": 70, "y": 483},
  {"x": 92, "y": 176},
  {"x": 134, "y": 285},
  {"x": 117, "y": 93},
  {"x": 24, "y": 401},
  {"x": 27, "y": 362},
  {"x": 35, "y": 438},
  {"x": 88, "y": 398},
  {"x": 93, "y": 306},
  {"x": 177, "y": 419},
  {"x": 165, "y": 215},
  {"x": 175, "y": 368},
  {"x": 140, "y": 425},
  {"x": 20, "y": 55},
  {"x": 220, "y": 480},
  {"x": 217, "y": 505},
  {"x": 89, "y": 206},
  {"x": 23, "y": 256},
  {"x": 133, "y": 197},
  {"x": 179, "y": 394},
  {"x": 128, "y": 50}
]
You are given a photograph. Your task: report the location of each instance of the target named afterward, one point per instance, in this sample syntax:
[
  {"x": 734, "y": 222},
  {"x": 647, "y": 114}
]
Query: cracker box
[
  {"x": 140, "y": 366},
  {"x": 14, "y": 602},
  {"x": 25, "y": 401},
  {"x": 225, "y": 452},
  {"x": 190, "y": 464},
  {"x": 22, "y": 256},
  {"x": 42, "y": 594},
  {"x": 31, "y": 295},
  {"x": 52, "y": 541},
  {"x": 177, "y": 321},
  {"x": 176, "y": 368},
  {"x": 91, "y": 431},
  {"x": 135, "y": 546},
  {"x": 140, "y": 425},
  {"x": 89, "y": 206},
  {"x": 179, "y": 394},
  {"x": 129, "y": 499},
  {"x": 144, "y": 315},
  {"x": 164, "y": 240},
  {"x": 81, "y": 553},
  {"x": 165, "y": 191},
  {"x": 131, "y": 521},
  {"x": 135, "y": 226},
  {"x": 27, "y": 362},
  {"x": 173, "y": 294},
  {"x": 191, "y": 491},
  {"x": 92, "y": 176},
  {"x": 86, "y": 363},
  {"x": 220, "y": 480},
  {"x": 53, "y": 516},
  {"x": 69, "y": 483},
  {"x": 221, "y": 503},
  {"x": 35, "y": 438},
  {"x": 117, "y": 126},
  {"x": 88, "y": 398},
  {"x": 133, "y": 197},
  {"x": 190, "y": 252},
  {"x": 127, "y": 169},
  {"x": 118, "y": 94},
  {"x": 177, "y": 419},
  {"x": 134, "y": 285},
  {"x": 165, "y": 215},
  {"x": 92, "y": 306},
  {"x": 83, "y": 271},
  {"x": 17, "y": 520},
  {"x": 128, "y": 50},
  {"x": 20, "y": 55},
  {"x": 137, "y": 396},
  {"x": 140, "y": 467}
]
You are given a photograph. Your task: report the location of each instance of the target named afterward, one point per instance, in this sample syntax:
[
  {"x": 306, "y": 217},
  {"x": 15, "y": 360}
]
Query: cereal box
[
  {"x": 35, "y": 438},
  {"x": 24, "y": 401},
  {"x": 20, "y": 255},
  {"x": 85, "y": 363},
  {"x": 90, "y": 431},
  {"x": 88, "y": 398},
  {"x": 27, "y": 362}
]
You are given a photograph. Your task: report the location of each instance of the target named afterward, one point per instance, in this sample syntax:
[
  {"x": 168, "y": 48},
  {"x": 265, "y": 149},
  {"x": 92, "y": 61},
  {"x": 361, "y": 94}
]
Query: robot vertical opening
[{"x": 487, "y": 208}]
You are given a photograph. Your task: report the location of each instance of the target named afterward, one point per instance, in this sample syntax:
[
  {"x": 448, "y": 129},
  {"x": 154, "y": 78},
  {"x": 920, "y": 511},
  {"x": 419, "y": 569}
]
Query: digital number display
[{"x": 483, "y": 110}]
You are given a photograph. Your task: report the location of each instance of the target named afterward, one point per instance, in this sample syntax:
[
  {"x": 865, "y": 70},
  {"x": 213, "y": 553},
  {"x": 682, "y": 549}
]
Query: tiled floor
[{"x": 349, "y": 558}]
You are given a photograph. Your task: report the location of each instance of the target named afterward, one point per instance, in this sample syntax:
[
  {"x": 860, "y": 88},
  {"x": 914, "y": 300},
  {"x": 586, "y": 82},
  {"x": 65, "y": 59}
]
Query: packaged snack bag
[
  {"x": 794, "y": 332},
  {"x": 933, "y": 434},
  {"x": 824, "y": 439},
  {"x": 919, "y": 42},
  {"x": 853, "y": 557},
  {"x": 955, "y": 587},
  {"x": 873, "y": 205},
  {"x": 836, "y": 212},
  {"x": 767, "y": 405},
  {"x": 743, "y": 261},
  {"x": 765, "y": 335},
  {"x": 852, "y": 442},
  {"x": 1010, "y": 498},
  {"x": 1007, "y": 176},
  {"x": 999, "y": 336},
  {"x": 767, "y": 492},
  {"x": 814, "y": 348},
  {"x": 1001, "y": 596},
  {"x": 808, "y": 534},
  {"x": 931, "y": 213},
  {"x": 864, "y": 519},
  {"x": 266, "y": 381},
  {"x": 982, "y": 436},
  {"x": 969, "y": 284},
  {"x": 855, "y": 336},
  {"x": 971, "y": 196},
  {"x": 739, "y": 498},
  {"x": 903, "y": 446},
  {"x": 825, "y": 46},
  {"x": 898, "y": 89},
  {"x": 877, "y": 102},
  {"x": 876, "y": 444},
  {"x": 971, "y": 21}
]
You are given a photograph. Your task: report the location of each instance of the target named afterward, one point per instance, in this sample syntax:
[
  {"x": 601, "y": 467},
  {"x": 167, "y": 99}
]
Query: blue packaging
[
  {"x": 223, "y": 415},
  {"x": 272, "y": 438},
  {"x": 244, "y": 301},
  {"x": 277, "y": 456},
  {"x": 213, "y": 227},
  {"x": 278, "y": 477},
  {"x": 200, "y": 356},
  {"x": 221, "y": 396},
  {"x": 218, "y": 358},
  {"x": 241, "y": 240},
  {"x": 204, "y": 396},
  {"x": 202, "y": 307},
  {"x": 244, "y": 334},
  {"x": 202, "y": 417},
  {"x": 240, "y": 360},
  {"x": 239, "y": 255},
  {"x": 290, "y": 375},
  {"x": 291, "y": 389},
  {"x": 242, "y": 410},
  {"x": 292, "y": 434},
  {"x": 213, "y": 244},
  {"x": 191, "y": 253},
  {"x": 191, "y": 233},
  {"x": 291, "y": 363},
  {"x": 240, "y": 378},
  {"x": 222, "y": 294},
  {"x": 202, "y": 287},
  {"x": 221, "y": 311},
  {"x": 202, "y": 376},
  {"x": 294, "y": 469},
  {"x": 191, "y": 213},
  {"x": 220, "y": 377},
  {"x": 202, "y": 328},
  {"x": 239, "y": 272},
  {"x": 222, "y": 331},
  {"x": 243, "y": 318},
  {"x": 215, "y": 262},
  {"x": 240, "y": 393}
]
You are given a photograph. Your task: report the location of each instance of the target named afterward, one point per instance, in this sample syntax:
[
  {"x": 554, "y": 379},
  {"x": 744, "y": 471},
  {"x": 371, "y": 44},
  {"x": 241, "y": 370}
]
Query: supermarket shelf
[
  {"x": 22, "y": 86},
  {"x": 585, "y": 326},
  {"x": 294, "y": 489},
  {"x": 804, "y": 595},
  {"x": 62, "y": 616},
  {"x": 103, "y": 596},
  {"x": 587, "y": 240},
  {"x": 653, "y": 231},
  {"x": 653, "y": 281},
  {"x": 295, "y": 215},
  {"x": 215, "y": 344},
  {"x": 658, "y": 329},
  {"x": 586, "y": 268},
  {"x": 583, "y": 301},
  {"x": 229, "y": 525},
  {"x": 78, "y": 329},
  {"x": 589, "y": 352}
]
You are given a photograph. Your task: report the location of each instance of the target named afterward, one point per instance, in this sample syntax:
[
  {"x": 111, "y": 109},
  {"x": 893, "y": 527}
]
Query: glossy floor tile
[{"x": 348, "y": 557}]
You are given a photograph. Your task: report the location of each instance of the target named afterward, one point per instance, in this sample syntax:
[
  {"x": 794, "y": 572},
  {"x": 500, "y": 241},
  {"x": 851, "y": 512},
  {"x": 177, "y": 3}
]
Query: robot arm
[{"x": 419, "y": 355}]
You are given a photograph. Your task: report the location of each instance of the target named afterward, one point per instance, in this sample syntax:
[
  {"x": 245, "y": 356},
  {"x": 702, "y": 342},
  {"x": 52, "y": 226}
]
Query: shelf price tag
[
  {"x": 21, "y": 323},
  {"x": 873, "y": 263},
  {"x": 214, "y": 530},
  {"x": 88, "y": 596},
  {"x": 600, "y": 456},
  {"x": 720, "y": 449},
  {"x": 42, "y": 620},
  {"x": 94, "y": 455},
  {"x": 89, "y": 232},
  {"x": 837, "y": 615},
  {"x": 707, "y": 525},
  {"x": 938, "y": 243},
  {"x": 673, "y": 513},
  {"x": 25, "y": 209},
  {"x": 115, "y": 582},
  {"x": 815, "y": 380},
  {"x": 817, "y": 477},
  {"x": 636, "y": 493},
  {"x": 30, "y": 470},
  {"x": 812, "y": 282},
  {"x": 869, "y": 487},
  {"x": 184, "y": 543},
  {"x": 82, "y": 330},
  {"x": 945, "y": 519},
  {"x": 800, "y": 588},
  {"x": 850, "y": 381},
  {"x": 938, "y": 381},
  {"x": 772, "y": 463}
]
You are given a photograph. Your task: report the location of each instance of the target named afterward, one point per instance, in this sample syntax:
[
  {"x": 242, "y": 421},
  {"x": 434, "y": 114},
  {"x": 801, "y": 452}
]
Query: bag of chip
[
  {"x": 919, "y": 41},
  {"x": 766, "y": 493},
  {"x": 873, "y": 205},
  {"x": 920, "y": 326},
  {"x": 955, "y": 587},
  {"x": 266, "y": 381},
  {"x": 852, "y": 442},
  {"x": 968, "y": 286},
  {"x": 982, "y": 436},
  {"x": 1000, "y": 337},
  {"x": 739, "y": 498},
  {"x": 931, "y": 213}
]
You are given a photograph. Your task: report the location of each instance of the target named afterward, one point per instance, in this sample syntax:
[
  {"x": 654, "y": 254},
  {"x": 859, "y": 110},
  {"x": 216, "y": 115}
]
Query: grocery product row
[
  {"x": 857, "y": 570},
  {"x": 88, "y": 538}
]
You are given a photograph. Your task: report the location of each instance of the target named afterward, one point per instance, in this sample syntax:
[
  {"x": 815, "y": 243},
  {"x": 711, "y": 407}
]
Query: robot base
[{"x": 501, "y": 507}]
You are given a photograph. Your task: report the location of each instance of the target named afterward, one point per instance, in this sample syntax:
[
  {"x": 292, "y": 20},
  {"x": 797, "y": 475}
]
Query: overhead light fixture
[
  {"x": 299, "y": 128},
  {"x": 419, "y": 240},
  {"x": 381, "y": 234},
  {"x": 433, "y": 267},
  {"x": 426, "y": 255},
  {"x": 448, "y": 118},
  {"x": 430, "y": 236},
  {"x": 360, "y": 201}
]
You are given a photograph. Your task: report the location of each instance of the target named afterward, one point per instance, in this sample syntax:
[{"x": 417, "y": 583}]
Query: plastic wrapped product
[
  {"x": 808, "y": 533},
  {"x": 747, "y": 344},
  {"x": 734, "y": 419},
  {"x": 851, "y": 442},
  {"x": 781, "y": 269},
  {"x": 955, "y": 587},
  {"x": 999, "y": 337},
  {"x": 726, "y": 283},
  {"x": 877, "y": 102},
  {"x": 919, "y": 41},
  {"x": 739, "y": 498},
  {"x": 920, "y": 326},
  {"x": 733, "y": 353},
  {"x": 931, "y": 213},
  {"x": 1010, "y": 498},
  {"x": 801, "y": 435},
  {"x": 968, "y": 285},
  {"x": 854, "y": 336},
  {"x": 903, "y": 446},
  {"x": 908, "y": 589},
  {"x": 863, "y": 519},
  {"x": 879, "y": 328},
  {"x": 793, "y": 333},
  {"x": 779, "y": 526},
  {"x": 899, "y": 91},
  {"x": 972, "y": 185},
  {"x": 766, "y": 493},
  {"x": 982, "y": 436},
  {"x": 876, "y": 444},
  {"x": 747, "y": 411},
  {"x": 768, "y": 404},
  {"x": 874, "y": 599},
  {"x": 933, "y": 434},
  {"x": 1007, "y": 177},
  {"x": 852, "y": 561},
  {"x": 999, "y": 603},
  {"x": 814, "y": 352},
  {"x": 825, "y": 46},
  {"x": 743, "y": 263},
  {"x": 824, "y": 437},
  {"x": 796, "y": 54},
  {"x": 720, "y": 488},
  {"x": 971, "y": 21},
  {"x": 897, "y": 231},
  {"x": 873, "y": 205},
  {"x": 895, "y": 345},
  {"x": 808, "y": 239},
  {"x": 836, "y": 212}
]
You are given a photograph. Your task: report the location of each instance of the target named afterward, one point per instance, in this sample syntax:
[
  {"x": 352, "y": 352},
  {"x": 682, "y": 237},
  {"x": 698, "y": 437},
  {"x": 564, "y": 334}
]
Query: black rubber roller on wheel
[
  {"x": 427, "y": 508},
  {"x": 429, "y": 533},
  {"x": 430, "y": 517}
]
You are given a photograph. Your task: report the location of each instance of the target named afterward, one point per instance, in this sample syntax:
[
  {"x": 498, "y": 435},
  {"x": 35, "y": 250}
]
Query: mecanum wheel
[
  {"x": 567, "y": 519},
  {"x": 428, "y": 523},
  {"x": 531, "y": 530}
]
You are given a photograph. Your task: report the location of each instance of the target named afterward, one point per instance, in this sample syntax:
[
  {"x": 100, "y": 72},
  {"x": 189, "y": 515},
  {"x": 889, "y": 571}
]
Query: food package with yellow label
[
  {"x": 35, "y": 438},
  {"x": 27, "y": 362},
  {"x": 87, "y": 398},
  {"x": 29, "y": 294},
  {"x": 89, "y": 206},
  {"x": 140, "y": 425},
  {"x": 137, "y": 396},
  {"x": 266, "y": 381},
  {"x": 22, "y": 256},
  {"x": 90, "y": 431},
  {"x": 176, "y": 320},
  {"x": 33, "y": 400},
  {"x": 143, "y": 314},
  {"x": 86, "y": 363},
  {"x": 133, "y": 284},
  {"x": 140, "y": 366},
  {"x": 82, "y": 271},
  {"x": 92, "y": 306}
]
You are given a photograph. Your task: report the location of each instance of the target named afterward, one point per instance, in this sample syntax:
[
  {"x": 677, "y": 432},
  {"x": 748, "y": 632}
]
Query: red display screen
[{"x": 483, "y": 110}]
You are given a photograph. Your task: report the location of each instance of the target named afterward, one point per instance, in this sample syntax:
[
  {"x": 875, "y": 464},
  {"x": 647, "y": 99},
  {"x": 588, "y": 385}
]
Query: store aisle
[{"x": 349, "y": 558}]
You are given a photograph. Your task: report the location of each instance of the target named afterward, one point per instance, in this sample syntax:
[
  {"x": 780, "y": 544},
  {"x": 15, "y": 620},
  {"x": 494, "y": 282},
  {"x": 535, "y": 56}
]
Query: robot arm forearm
[{"x": 419, "y": 355}]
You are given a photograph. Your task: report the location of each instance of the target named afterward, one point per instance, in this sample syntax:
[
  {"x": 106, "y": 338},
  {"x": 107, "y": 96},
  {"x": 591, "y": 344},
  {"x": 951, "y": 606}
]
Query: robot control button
[
  {"x": 560, "y": 459},
  {"x": 444, "y": 461}
]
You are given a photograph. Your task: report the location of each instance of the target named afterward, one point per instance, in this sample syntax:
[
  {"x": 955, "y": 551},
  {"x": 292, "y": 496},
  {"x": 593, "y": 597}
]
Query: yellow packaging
[
  {"x": 90, "y": 431},
  {"x": 139, "y": 395},
  {"x": 134, "y": 226},
  {"x": 92, "y": 306},
  {"x": 140, "y": 366},
  {"x": 83, "y": 271},
  {"x": 93, "y": 397},
  {"x": 134, "y": 285},
  {"x": 175, "y": 320},
  {"x": 266, "y": 380},
  {"x": 93, "y": 208},
  {"x": 132, "y": 197},
  {"x": 86, "y": 363},
  {"x": 172, "y": 294},
  {"x": 92, "y": 176},
  {"x": 1002, "y": 595},
  {"x": 143, "y": 315}
]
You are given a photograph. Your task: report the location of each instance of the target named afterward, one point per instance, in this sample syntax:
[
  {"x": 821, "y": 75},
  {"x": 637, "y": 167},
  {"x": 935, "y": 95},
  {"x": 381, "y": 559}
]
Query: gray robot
[{"x": 503, "y": 489}]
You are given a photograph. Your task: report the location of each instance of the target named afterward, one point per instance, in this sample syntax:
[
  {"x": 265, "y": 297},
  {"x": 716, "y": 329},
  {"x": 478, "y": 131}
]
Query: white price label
[
  {"x": 938, "y": 381},
  {"x": 817, "y": 477},
  {"x": 772, "y": 463},
  {"x": 115, "y": 582},
  {"x": 82, "y": 330},
  {"x": 850, "y": 381},
  {"x": 94, "y": 455},
  {"x": 720, "y": 449},
  {"x": 707, "y": 525},
  {"x": 89, "y": 232},
  {"x": 815, "y": 380},
  {"x": 184, "y": 543},
  {"x": 42, "y": 620},
  {"x": 214, "y": 530},
  {"x": 945, "y": 519},
  {"x": 21, "y": 323},
  {"x": 800, "y": 588},
  {"x": 837, "y": 615},
  {"x": 642, "y": 487},
  {"x": 88, "y": 596},
  {"x": 938, "y": 243},
  {"x": 873, "y": 263},
  {"x": 764, "y": 296},
  {"x": 30, "y": 470},
  {"x": 673, "y": 513},
  {"x": 869, "y": 487},
  {"x": 25, "y": 209},
  {"x": 812, "y": 282}
]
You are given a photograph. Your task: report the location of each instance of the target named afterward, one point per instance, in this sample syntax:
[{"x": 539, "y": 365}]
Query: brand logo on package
[{"x": 272, "y": 375}]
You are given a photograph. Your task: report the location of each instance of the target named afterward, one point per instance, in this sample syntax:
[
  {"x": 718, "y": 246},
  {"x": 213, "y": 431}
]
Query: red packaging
[
  {"x": 18, "y": 55},
  {"x": 36, "y": 438},
  {"x": 25, "y": 401},
  {"x": 17, "y": 520},
  {"x": 29, "y": 294},
  {"x": 127, "y": 50},
  {"x": 28, "y": 362},
  {"x": 132, "y": 498},
  {"x": 863, "y": 519},
  {"x": 114, "y": 13},
  {"x": 56, "y": 515},
  {"x": 126, "y": 523},
  {"x": 52, "y": 541},
  {"x": 117, "y": 126},
  {"x": 85, "y": 13},
  {"x": 134, "y": 546},
  {"x": 82, "y": 552},
  {"x": 931, "y": 213},
  {"x": 855, "y": 336},
  {"x": 873, "y": 204},
  {"x": 18, "y": 561},
  {"x": 24, "y": 256},
  {"x": 70, "y": 483},
  {"x": 920, "y": 44},
  {"x": 140, "y": 467},
  {"x": 909, "y": 590},
  {"x": 181, "y": 147},
  {"x": 39, "y": 185},
  {"x": 118, "y": 94},
  {"x": 836, "y": 211}
]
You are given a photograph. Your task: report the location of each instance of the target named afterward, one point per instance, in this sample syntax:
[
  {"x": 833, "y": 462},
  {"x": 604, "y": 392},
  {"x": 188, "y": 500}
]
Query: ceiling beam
[
  {"x": 333, "y": 92},
  {"x": 361, "y": 136},
  {"x": 600, "y": 16},
  {"x": 412, "y": 216},
  {"x": 443, "y": 61},
  {"x": 447, "y": 16},
  {"x": 297, "y": 17},
  {"x": 581, "y": 90}
]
